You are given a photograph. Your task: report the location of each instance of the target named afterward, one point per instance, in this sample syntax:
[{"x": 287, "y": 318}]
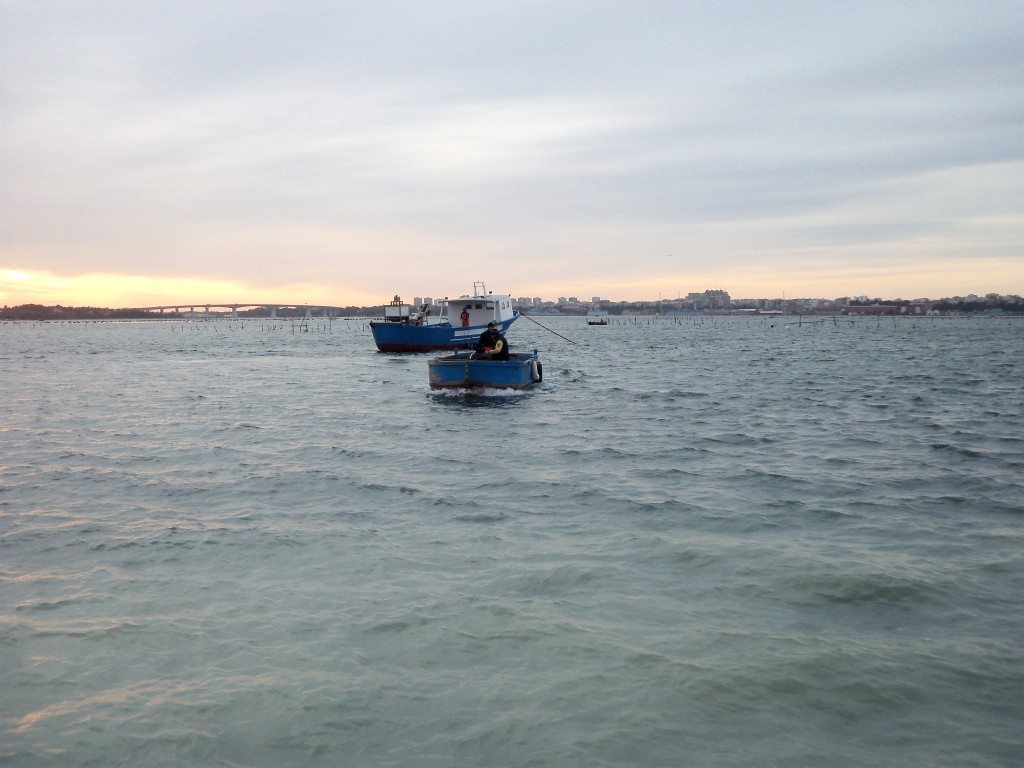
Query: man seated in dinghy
[{"x": 491, "y": 346}]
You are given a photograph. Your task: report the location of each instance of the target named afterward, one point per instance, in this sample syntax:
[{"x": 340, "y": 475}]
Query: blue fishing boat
[
  {"x": 457, "y": 325},
  {"x": 461, "y": 371}
]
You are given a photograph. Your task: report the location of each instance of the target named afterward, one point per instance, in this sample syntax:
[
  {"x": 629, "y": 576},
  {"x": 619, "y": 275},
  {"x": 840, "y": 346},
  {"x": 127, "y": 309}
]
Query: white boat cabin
[{"x": 482, "y": 308}]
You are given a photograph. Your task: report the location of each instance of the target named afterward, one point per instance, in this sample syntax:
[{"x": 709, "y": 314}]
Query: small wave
[
  {"x": 481, "y": 398},
  {"x": 483, "y": 517},
  {"x": 667, "y": 396},
  {"x": 48, "y": 605},
  {"x": 956, "y": 450},
  {"x": 740, "y": 438},
  {"x": 865, "y": 589},
  {"x": 86, "y": 628},
  {"x": 560, "y": 581},
  {"x": 667, "y": 473},
  {"x": 389, "y": 628}
]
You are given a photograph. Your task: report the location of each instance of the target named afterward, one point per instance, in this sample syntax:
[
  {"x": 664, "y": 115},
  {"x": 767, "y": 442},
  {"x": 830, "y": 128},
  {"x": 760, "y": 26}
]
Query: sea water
[{"x": 698, "y": 542}]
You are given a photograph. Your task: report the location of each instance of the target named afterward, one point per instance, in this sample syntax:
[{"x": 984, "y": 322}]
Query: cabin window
[{"x": 490, "y": 305}]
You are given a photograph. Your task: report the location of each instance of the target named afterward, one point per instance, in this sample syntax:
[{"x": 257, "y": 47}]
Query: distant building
[
  {"x": 708, "y": 300},
  {"x": 718, "y": 299},
  {"x": 872, "y": 309}
]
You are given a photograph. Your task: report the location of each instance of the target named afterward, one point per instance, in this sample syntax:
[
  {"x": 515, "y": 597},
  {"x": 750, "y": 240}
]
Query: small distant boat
[
  {"x": 405, "y": 329},
  {"x": 602, "y": 321},
  {"x": 461, "y": 371}
]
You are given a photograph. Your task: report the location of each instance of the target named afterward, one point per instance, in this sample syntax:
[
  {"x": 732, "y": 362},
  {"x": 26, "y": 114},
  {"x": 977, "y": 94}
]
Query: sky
[{"x": 339, "y": 152}]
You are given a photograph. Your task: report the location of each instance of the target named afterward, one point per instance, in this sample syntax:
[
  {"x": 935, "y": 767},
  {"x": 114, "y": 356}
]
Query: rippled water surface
[{"x": 728, "y": 542}]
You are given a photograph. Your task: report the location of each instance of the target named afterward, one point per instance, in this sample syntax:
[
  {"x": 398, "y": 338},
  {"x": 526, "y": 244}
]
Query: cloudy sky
[{"x": 338, "y": 152}]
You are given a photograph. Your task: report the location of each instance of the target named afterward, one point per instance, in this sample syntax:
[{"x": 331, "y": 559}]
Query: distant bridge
[{"x": 231, "y": 309}]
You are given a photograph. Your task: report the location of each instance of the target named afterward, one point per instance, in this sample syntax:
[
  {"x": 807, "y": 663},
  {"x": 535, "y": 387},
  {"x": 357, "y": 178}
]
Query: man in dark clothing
[{"x": 492, "y": 345}]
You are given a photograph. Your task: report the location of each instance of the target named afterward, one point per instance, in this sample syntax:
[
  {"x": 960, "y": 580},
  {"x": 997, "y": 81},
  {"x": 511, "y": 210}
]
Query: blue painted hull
[
  {"x": 458, "y": 371},
  {"x": 408, "y": 337}
]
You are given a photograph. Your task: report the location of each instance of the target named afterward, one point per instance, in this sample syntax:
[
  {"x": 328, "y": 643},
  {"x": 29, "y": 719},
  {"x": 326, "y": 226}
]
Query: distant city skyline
[
  {"x": 707, "y": 299},
  {"x": 623, "y": 150},
  {"x": 715, "y": 302}
]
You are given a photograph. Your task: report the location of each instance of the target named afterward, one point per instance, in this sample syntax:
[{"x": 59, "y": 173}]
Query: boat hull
[
  {"x": 408, "y": 337},
  {"x": 460, "y": 371}
]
